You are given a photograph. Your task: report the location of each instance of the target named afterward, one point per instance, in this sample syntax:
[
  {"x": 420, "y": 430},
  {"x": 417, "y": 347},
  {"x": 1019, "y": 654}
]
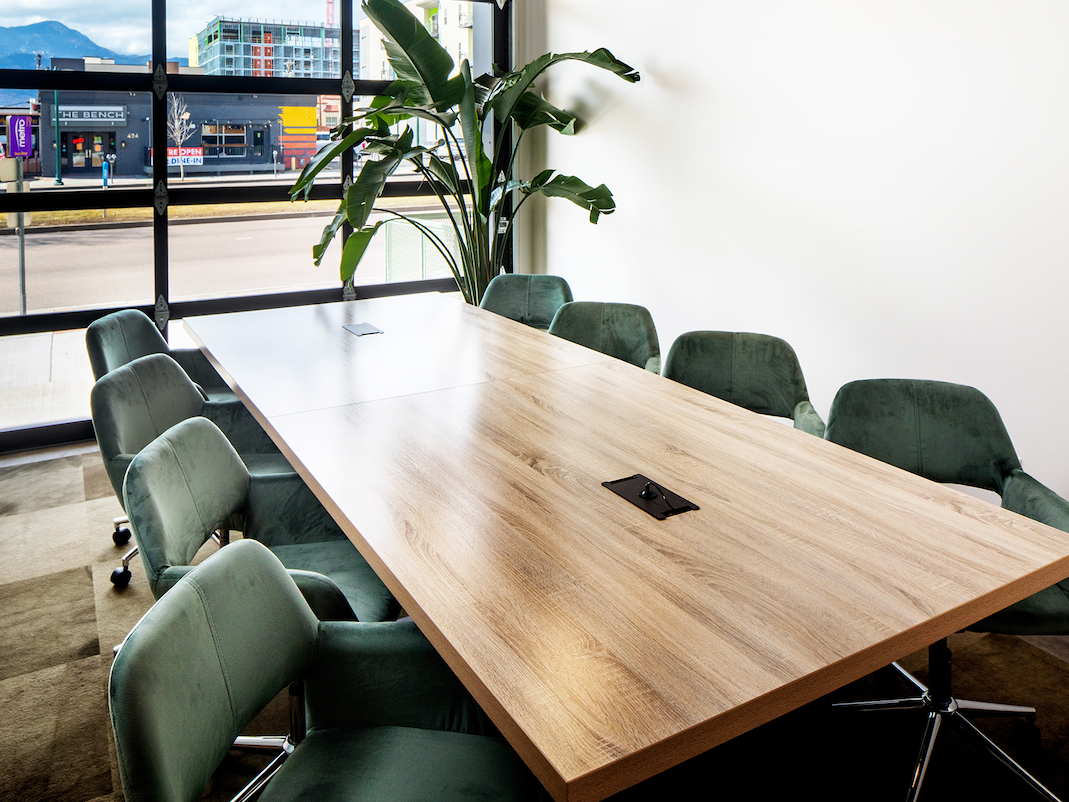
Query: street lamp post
[{"x": 55, "y": 116}]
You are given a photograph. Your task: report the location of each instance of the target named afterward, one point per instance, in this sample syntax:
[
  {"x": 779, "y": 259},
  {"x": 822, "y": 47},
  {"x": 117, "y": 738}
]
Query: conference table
[{"x": 464, "y": 454}]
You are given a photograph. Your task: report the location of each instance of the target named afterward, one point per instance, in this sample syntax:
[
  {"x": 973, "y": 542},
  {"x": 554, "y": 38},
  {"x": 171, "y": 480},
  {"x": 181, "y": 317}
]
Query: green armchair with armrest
[
  {"x": 624, "y": 331},
  {"x": 532, "y": 299},
  {"x": 383, "y": 716},
  {"x": 121, "y": 337},
  {"x": 190, "y": 482},
  {"x": 133, "y": 404},
  {"x": 952, "y": 433},
  {"x": 756, "y": 371}
]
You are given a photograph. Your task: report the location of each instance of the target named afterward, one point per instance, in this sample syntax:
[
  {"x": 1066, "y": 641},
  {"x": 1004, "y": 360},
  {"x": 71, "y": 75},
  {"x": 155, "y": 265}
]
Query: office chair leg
[
  {"x": 258, "y": 782},
  {"x": 979, "y": 739},
  {"x": 924, "y": 757},
  {"x": 940, "y": 703}
]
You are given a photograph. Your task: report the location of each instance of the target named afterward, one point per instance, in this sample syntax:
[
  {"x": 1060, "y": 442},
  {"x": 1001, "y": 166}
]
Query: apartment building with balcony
[{"x": 269, "y": 48}]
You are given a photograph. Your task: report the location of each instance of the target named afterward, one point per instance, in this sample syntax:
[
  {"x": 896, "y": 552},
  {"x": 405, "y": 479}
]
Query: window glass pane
[
  {"x": 464, "y": 29},
  {"x": 95, "y": 128},
  {"x": 247, "y": 249},
  {"x": 46, "y": 378},
  {"x": 74, "y": 260}
]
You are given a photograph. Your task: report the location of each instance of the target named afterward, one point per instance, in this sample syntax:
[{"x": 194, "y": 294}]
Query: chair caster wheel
[
  {"x": 120, "y": 577},
  {"x": 121, "y": 535}
]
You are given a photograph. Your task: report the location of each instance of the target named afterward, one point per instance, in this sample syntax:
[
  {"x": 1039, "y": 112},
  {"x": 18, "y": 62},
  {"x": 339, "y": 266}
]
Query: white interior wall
[{"x": 883, "y": 184}]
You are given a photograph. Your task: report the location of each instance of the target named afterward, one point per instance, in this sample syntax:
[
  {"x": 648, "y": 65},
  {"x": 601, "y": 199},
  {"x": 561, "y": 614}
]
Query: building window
[{"x": 223, "y": 140}]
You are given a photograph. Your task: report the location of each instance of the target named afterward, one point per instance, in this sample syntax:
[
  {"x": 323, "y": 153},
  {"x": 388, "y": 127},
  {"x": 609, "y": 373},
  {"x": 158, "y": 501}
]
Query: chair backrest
[
  {"x": 530, "y": 299},
  {"x": 625, "y": 331},
  {"x": 134, "y": 404},
  {"x": 941, "y": 431},
  {"x": 179, "y": 489},
  {"x": 756, "y": 371},
  {"x": 121, "y": 337},
  {"x": 201, "y": 663}
]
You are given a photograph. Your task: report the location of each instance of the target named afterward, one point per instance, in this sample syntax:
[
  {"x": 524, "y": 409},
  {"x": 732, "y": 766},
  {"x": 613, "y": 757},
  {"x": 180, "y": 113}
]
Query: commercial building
[
  {"x": 253, "y": 133},
  {"x": 269, "y": 48}
]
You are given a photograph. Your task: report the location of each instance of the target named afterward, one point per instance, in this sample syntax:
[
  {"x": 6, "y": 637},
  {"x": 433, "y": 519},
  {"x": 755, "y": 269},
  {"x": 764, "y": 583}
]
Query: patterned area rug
[{"x": 52, "y": 689}]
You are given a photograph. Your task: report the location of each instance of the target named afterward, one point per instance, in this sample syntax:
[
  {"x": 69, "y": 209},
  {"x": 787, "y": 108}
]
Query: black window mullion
[{"x": 161, "y": 289}]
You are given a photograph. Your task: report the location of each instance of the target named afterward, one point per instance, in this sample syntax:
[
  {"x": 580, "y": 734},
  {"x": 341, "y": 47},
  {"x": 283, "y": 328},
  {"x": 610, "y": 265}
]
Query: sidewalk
[{"x": 40, "y": 183}]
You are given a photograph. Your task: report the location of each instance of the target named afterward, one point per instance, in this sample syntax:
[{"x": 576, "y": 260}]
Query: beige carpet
[{"x": 60, "y": 617}]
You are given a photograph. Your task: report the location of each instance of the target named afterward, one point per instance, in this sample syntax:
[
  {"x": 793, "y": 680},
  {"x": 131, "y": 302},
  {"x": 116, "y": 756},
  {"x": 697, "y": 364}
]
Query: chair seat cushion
[
  {"x": 402, "y": 764},
  {"x": 339, "y": 560}
]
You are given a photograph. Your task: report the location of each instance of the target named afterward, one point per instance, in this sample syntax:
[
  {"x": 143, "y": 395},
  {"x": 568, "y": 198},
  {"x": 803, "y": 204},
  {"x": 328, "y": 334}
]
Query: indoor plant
[{"x": 473, "y": 185}]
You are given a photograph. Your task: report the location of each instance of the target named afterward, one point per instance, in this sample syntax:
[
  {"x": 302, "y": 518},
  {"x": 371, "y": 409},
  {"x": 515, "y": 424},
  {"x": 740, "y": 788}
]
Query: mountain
[{"x": 18, "y": 46}]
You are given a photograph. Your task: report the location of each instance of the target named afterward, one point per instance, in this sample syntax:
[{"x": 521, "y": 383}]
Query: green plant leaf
[
  {"x": 416, "y": 57},
  {"x": 597, "y": 200},
  {"x": 481, "y": 169},
  {"x": 505, "y": 97},
  {"x": 445, "y": 172},
  {"x": 532, "y": 111},
  {"x": 329, "y": 231},
  {"x": 355, "y": 248},
  {"x": 365, "y": 190},
  {"x": 326, "y": 156}
]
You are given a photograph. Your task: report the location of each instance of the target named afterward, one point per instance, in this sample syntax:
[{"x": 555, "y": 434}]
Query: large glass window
[{"x": 159, "y": 179}]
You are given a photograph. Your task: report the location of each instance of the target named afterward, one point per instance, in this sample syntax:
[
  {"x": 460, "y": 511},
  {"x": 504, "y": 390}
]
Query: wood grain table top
[{"x": 464, "y": 455}]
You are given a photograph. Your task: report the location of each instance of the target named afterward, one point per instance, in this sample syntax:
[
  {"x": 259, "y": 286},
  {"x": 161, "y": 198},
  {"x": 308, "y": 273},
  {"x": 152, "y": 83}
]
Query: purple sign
[{"x": 19, "y": 136}]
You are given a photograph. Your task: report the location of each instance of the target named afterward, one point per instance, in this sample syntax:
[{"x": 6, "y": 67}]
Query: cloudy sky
[{"x": 123, "y": 25}]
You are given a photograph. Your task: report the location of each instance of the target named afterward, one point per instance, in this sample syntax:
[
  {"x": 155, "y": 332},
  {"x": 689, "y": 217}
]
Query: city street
[{"x": 103, "y": 267}]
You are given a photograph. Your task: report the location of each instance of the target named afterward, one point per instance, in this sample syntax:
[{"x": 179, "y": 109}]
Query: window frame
[{"x": 159, "y": 85}]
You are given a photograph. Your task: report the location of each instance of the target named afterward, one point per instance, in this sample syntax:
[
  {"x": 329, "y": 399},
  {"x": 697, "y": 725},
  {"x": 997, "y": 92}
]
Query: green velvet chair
[
  {"x": 121, "y": 337},
  {"x": 531, "y": 299},
  {"x": 625, "y": 331},
  {"x": 190, "y": 482},
  {"x": 953, "y": 433},
  {"x": 756, "y": 371},
  {"x": 133, "y": 404},
  {"x": 384, "y": 717}
]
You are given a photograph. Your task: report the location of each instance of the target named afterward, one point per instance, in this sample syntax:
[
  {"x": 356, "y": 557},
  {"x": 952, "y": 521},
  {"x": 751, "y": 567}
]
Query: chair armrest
[
  {"x": 1031, "y": 498},
  {"x": 197, "y": 366},
  {"x": 282, "y": 510},
  {"x": 1045, "y": 612},
  {"x": 385, "y": 674},
  {"x": 323, "y": 596},
  {"x": 807, "y": 419},
  {"x": 167, "y": 578},
  {"x": 243, "y": 431},
  {"x": 653, "y": 364},
  {"x": 116, "y": 468}
]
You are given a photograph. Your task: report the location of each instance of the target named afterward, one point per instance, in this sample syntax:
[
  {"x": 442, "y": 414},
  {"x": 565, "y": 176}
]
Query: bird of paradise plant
[{"x": 470, "y": 183}]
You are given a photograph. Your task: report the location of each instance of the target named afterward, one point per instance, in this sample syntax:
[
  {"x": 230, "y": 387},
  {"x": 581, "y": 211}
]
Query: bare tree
[{"x": 179, "y": 128}]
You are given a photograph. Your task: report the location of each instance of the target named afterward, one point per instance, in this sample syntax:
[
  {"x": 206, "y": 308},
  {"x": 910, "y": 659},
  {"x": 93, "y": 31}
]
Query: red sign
[{"x": 176, "y": 156}]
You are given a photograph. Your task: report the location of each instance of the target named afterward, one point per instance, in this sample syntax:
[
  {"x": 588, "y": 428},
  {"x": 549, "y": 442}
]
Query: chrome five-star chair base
[{"x": 942, "y": 706}]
